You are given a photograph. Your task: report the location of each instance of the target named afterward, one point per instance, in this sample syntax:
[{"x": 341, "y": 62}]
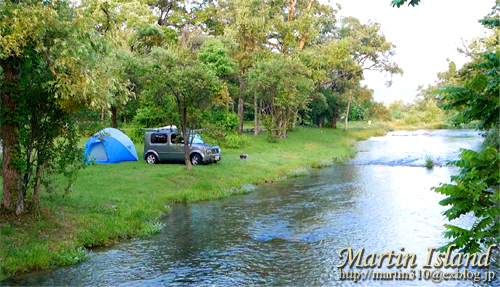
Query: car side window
[
  {"x": 176, "y": 139},
  {"x": 159, "y": 139}
]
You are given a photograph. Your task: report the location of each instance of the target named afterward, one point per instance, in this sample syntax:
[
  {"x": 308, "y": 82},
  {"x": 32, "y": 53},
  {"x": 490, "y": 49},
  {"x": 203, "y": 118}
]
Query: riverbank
[{"x": 109, "y": 203}]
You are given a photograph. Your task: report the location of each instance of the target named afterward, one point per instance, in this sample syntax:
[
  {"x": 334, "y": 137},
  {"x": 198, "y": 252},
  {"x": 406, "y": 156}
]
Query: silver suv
[{"x": 167, "y": 145}]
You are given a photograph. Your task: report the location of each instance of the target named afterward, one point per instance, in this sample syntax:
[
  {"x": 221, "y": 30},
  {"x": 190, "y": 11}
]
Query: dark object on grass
[{"x": 243, "y": 156}]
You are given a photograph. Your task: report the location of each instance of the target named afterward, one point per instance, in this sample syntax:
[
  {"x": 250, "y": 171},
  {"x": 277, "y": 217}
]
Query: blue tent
[{"x": 110, "y": 146}]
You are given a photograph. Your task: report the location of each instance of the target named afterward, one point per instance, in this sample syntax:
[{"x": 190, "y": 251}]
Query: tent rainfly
[{"x": 110, "y": 146}]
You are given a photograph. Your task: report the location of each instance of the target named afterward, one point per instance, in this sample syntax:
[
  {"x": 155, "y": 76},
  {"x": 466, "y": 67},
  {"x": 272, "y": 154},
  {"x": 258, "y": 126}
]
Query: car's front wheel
[
  {"x": 196, "y": 159},
  {"x": 151, "y": 158}
]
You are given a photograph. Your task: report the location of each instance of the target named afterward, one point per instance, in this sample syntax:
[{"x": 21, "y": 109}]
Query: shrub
[
  {"x": 223, "y": 138},
  {"x": 412, "y": 119},
  {"x": 429, "y": 162},
  {"x": 235, "y": 141},
  {"x": 223, "y": 120},
  {"x": 135, "y": 133}
]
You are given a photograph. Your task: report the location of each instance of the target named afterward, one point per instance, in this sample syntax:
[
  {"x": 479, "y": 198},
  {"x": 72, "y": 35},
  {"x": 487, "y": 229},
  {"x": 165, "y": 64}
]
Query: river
[{"x": 290, "y": 233}]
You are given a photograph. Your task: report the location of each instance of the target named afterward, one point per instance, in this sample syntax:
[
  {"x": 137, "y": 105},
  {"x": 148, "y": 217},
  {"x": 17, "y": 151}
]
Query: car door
[
  {"x": 176, "y": 148},
  {"x": 159, "y": 143}
]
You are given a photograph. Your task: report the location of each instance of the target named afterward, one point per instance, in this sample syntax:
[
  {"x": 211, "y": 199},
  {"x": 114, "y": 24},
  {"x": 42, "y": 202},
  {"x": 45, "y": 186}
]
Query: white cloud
[{"x": 424, "y": 35}]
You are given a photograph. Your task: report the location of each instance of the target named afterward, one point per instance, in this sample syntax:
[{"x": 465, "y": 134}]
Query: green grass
[
  {"x": 429, "y": 162},
  {"x": 117, "y": 201}
]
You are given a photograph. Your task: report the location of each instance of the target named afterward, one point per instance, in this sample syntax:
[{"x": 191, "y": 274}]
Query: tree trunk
[
  {"x": 294, "y": 124},
  {"x": 333, "y": 123},
  {"x": 348, "y": 105},
  {"x": 256, "y": 127},
  {"x": 187, "y": 160},
  {"x": 38, "y": 182},
  {"x": 113, "y": 117},
  {"x": 11, "y": 174},
  {"x": 241, "y": 103},
  {"x": 102, "y": 116},
  {"x": 321, "y": 121}
]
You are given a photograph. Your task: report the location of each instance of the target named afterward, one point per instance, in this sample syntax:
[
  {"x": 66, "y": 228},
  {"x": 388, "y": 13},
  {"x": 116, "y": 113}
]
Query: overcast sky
[{"x": 424, "y": 35}]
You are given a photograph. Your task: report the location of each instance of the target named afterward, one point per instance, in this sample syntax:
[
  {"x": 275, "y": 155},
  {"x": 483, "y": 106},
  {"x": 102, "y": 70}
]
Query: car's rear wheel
[
  {"x": 196, "y": 159},
  {"x": 151, "y": 158}
]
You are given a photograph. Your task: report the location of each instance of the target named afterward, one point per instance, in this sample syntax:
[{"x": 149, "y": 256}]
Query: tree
[
  {"x": 177, "y": 78},
  {"x": 52, "y": 49},
  {"x": 284, "y": 85},
  {"x": 476, "y": 189},
  {"x": 370, "y": 51}
]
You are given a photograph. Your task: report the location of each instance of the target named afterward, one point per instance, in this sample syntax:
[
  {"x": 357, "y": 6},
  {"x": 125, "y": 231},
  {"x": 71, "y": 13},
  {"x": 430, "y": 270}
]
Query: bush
[
  {"x": 224, "y": 120},
  {"x": 429, "y": 162},
  {"x": 412, "y": 119},
  {"x": 235, "y": 141},
  {"x": 135, "y": 133},
  {"x": 224, "y": 138}
]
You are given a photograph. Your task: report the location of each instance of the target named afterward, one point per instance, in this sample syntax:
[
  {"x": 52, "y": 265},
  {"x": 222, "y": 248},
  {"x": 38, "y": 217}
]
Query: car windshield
[{"x": 196, "y": 140}]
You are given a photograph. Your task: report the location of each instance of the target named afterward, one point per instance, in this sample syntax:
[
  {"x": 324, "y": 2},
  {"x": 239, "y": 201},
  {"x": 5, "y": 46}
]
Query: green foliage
[
  {"x": 284, "y": 85},
  {"x": 216, "y": 57},
  {"x": 479, "y": 96},
  {"x": 88, "y": 122},
  {"x": 493, "y": 138},
  {"x": 135, "y": 133},
  {"x": 156, "y": 113},
  {"x": 224, "y": 138},
  {"x": 235, "y": 141},
  {"x": 399, "y": 3},
  {"x": 475, "y": 190},
  {"x": 429, "y": 162},
  {"x": 221, "y": 119},
  {"x": 378, "y": 111}
]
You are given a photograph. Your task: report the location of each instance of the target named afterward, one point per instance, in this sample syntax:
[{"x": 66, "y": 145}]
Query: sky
[{"x": 424, "y": 35}]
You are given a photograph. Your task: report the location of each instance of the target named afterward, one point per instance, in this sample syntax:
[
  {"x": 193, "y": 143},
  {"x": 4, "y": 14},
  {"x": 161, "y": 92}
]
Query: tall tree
[
  {"x": 70, "y": 47},
  {"x": 370, "y": 52},
  {"x": 177, "y": 78},
  {"x": 284, "y": 85},
  {"x": 55, "y": 49}
]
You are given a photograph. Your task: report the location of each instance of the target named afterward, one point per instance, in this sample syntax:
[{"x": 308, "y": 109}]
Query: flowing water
[{"x": 290, "y": 233}]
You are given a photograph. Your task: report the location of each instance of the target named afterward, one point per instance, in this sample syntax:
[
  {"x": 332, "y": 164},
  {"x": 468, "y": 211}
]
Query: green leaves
[
  {"x": 478, "y": 99},
  {"x": 475, "y": 190},
  {"x": 284, "y": 84},
  {"x": 399, "y": 3}
]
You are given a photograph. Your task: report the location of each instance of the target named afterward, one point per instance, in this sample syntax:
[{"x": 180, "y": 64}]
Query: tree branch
[
  {"x": 44, "y": 54},
  {"x": 273, "y": 45}
]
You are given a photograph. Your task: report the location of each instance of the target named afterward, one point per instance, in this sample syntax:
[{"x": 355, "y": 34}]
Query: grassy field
[{"x": 112, "y": 202}]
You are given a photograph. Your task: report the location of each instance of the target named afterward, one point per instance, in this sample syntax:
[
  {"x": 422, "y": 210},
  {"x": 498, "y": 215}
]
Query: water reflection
[{"x": 286, "y": 233}]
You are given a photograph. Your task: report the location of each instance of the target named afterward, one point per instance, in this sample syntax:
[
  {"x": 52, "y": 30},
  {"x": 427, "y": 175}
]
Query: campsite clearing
[{"x": 113, "y": 202}]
